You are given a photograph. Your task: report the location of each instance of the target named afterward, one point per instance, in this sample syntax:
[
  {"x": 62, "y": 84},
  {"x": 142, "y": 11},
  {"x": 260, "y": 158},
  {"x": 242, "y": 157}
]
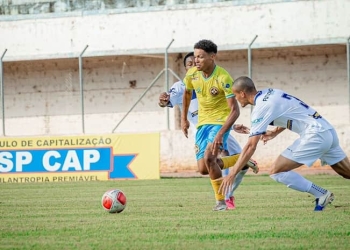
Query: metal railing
[{"x": 166, "y": 70}]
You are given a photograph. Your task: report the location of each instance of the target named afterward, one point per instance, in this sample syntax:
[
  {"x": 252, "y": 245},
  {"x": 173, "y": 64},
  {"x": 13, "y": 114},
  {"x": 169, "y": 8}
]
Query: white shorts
[
  {"x": 232, "y": 146},
  {"x": 313, "y": 146}
]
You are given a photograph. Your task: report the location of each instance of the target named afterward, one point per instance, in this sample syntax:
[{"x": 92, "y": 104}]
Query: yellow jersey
[{"x": 212, "y": 93}]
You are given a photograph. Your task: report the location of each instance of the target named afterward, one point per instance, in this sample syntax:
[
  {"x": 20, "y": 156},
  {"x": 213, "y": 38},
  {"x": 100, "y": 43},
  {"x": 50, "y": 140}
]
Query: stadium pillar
[
  {"x": 348, "y": 68},
  {"x": 250, "y": 61},
  {"x": 167, "y": 80},
  {"x": 2, "y": 93},
  {"x": 82, "y": 89}
]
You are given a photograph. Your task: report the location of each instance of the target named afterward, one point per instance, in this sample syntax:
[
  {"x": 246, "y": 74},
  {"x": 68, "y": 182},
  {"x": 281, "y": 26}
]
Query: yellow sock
[
  {"x": 216, "y": 185},
  {"x": 229, "y": 161}
]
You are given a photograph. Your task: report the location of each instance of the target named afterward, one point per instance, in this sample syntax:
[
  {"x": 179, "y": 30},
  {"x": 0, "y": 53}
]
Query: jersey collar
[{"x": 256, "y": 96}]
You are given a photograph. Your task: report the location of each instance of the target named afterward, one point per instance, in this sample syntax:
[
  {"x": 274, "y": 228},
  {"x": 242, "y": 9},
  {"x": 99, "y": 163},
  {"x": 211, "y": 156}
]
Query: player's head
[
  {"x": 244, "y": 89},
  {"x": 204, "y": 54},
  {"x": 189, "y": 61}
]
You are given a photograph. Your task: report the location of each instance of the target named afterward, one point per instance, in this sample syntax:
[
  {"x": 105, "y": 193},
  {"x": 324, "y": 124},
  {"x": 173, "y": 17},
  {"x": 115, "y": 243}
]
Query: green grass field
[{"x": 172, "y": 214}]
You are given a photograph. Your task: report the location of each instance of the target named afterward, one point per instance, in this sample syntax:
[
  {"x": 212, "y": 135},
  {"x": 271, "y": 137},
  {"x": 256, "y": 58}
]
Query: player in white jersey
[
  {"x": 318, "y": 139},
  {"x": 174, "y": 97}
]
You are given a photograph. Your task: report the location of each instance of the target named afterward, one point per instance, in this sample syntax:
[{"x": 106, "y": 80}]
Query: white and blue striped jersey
[{"x": 277, "y": 108}]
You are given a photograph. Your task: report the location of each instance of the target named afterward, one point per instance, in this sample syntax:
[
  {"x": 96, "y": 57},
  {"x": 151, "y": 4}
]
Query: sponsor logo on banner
[{"x": 79, "y": 158}]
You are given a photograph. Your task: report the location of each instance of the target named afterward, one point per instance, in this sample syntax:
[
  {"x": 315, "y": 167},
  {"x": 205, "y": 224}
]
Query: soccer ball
[{"x": 114, "y": 201}]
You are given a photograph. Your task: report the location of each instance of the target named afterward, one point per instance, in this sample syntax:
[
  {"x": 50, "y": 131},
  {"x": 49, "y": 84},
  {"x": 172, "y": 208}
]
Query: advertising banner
[{"x": 79, "y": 158}]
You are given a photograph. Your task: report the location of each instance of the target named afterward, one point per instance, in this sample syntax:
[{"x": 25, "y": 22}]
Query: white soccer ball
[{"x": 114, "y": 201}]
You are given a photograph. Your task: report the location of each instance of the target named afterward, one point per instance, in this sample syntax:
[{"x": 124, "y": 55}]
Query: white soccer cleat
[
  {"x": 323, "y": 201},
  {"x": 220, "y": 206}
]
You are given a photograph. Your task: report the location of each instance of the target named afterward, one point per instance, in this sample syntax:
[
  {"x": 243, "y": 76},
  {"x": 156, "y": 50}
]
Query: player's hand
[
  {"x": 269, "y": 135},
  {"x": 185, "y": 124},
  {"x": 226, "y": 184},
  {"x": 240, "y": 128},
  {"x": 217, "y": 145},
  {"x": 164, "y": 99}
]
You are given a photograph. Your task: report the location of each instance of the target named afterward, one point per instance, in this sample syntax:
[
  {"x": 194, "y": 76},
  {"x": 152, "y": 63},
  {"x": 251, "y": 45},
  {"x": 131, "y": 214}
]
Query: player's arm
[
  {"x": 186, "y": 99},
  {"x": 164, "y": 100},
  {"x": 226, "y": 83},
  {"x": 269, "y": 135},
  {"x": 232, "y": 117},
  {"x": 240, "y": 128},
  {"x": 234, "y": 114},
  {"x": 185, "y": 105},
  {"x": 247, "y": 152},
  {"x": 173, "y": 97}
]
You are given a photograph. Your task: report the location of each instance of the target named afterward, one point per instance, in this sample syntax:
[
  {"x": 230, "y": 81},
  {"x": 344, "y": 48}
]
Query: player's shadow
[{"x": 342, "y": 206}]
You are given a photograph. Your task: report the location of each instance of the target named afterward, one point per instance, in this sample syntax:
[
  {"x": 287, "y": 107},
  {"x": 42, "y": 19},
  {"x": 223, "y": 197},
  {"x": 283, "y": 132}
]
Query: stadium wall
[
  {"x": 286, "y": 23},
  {"x": 301, "y": 48},
  {"x": 45, "y": 95}
]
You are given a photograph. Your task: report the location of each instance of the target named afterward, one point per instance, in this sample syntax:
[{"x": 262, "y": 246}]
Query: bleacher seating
[{"x": 27, "y": 7}]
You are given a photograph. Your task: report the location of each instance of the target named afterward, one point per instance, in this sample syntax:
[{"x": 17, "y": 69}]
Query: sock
[
  {"x": 236, "y": 183},
  {"x": 293, "y": 180},
  {"x": 225, "y": 172},
  {"x": 229, "y": 161},
  {"x": 216, "y": 185},
  {"x": 316, "y": 190}
]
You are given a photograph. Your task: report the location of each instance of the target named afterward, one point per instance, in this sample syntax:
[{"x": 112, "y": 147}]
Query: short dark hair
[
  {"x": 187, "y": 56},
  {"x": 207, "y": 45},
  {"x": 245, "y": 84}
]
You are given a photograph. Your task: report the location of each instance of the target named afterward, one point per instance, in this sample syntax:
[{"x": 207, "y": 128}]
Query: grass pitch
[{"x": 172, "y": 214}]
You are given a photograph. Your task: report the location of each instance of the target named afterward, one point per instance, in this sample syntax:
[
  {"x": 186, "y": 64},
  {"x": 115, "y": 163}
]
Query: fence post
[
  {"x": 348, "y": 68},
  {"x": 167, "y": 80},
  {"x": 82, "y": 88},
  {"x": 2, "y": 93},
  {"x": 250, "y": 62}
]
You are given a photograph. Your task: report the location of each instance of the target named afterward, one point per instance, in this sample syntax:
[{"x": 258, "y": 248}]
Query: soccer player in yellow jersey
[{"x": 217, "y": 111}]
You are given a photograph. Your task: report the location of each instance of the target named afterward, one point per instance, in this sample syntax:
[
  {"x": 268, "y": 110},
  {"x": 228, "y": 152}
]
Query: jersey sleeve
[
  {"x": 226, "y": 83},
  {"x": 262, "y": 116},
  {"x": 176, "y": 93}
]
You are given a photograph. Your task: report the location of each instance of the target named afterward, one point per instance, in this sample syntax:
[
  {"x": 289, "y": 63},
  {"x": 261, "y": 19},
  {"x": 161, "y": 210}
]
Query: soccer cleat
[
  {"x": 323, "y": 201},
  {"x": 230, "y": 203},
  {"x": 253, "y": 165},
  {"x": 220, "y": 206}
]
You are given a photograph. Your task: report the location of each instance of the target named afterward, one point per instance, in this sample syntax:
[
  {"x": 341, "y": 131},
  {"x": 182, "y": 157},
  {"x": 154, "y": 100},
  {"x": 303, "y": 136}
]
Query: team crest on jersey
[
  {"x": 195, "y": 78},
  {"x": 225, "y": 85},
  {"x": 196, "y": 148},
  {"x": 214, "y": 91}
]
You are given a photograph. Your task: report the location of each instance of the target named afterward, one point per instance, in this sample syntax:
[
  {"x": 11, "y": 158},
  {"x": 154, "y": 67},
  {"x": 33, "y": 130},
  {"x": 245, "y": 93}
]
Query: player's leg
[
  {"x": 336, "y": 158},
  {"x": 202, "y": 168},
  {"x": 200, "y": 146},
  {"x": 304, "y": 151},
  {"x": 342, "y": 168},
  {"x": 233, "y": 148},
  {"x": 225, "y": 171},
  {"x": 214, "y": 169}
]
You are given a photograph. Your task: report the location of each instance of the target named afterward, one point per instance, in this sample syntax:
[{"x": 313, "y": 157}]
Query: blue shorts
[{"x": 206, "y": 134}]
